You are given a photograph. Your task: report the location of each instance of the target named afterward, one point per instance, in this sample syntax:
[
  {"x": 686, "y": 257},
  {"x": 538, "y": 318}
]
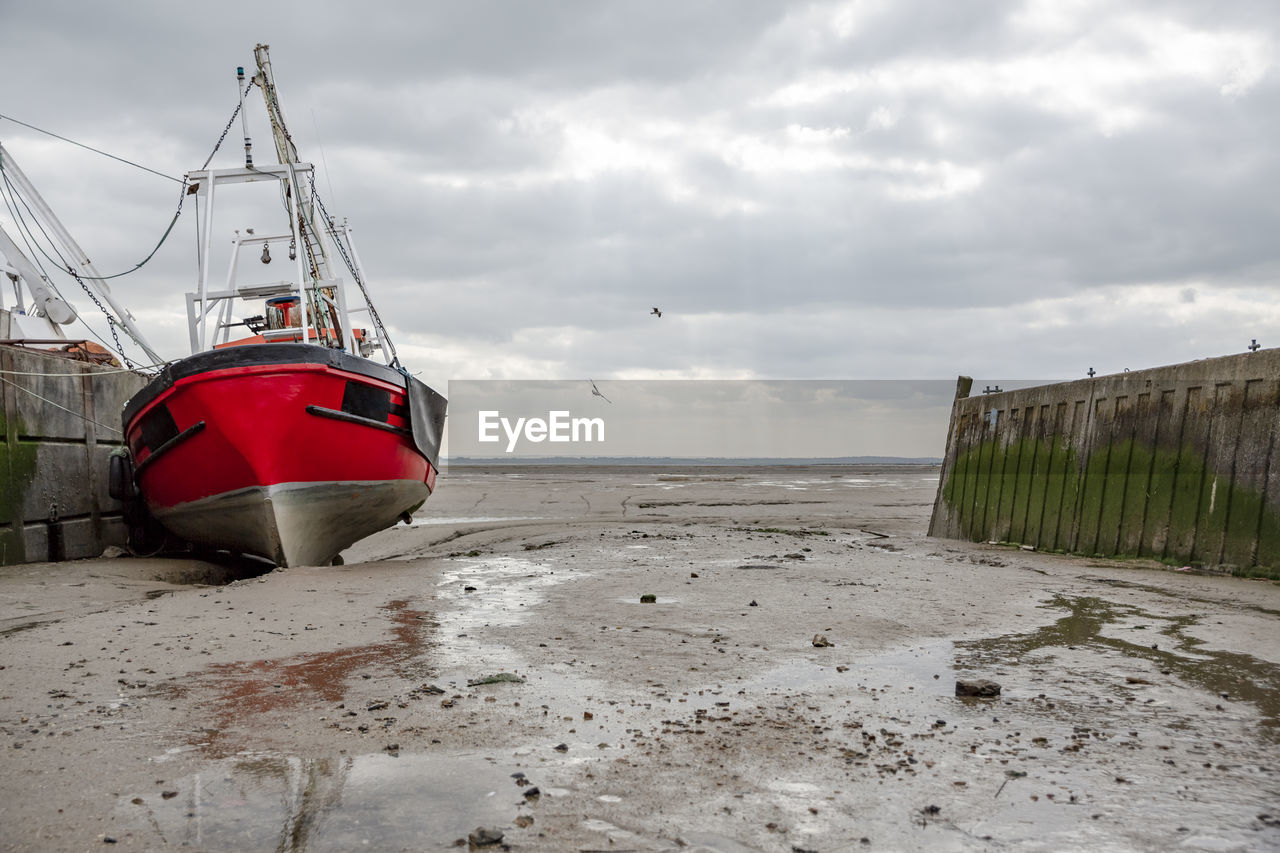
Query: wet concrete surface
[{"x": 493, "y": 666}]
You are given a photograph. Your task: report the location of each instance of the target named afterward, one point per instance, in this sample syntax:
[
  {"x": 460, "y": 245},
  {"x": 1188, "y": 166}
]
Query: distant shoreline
[{"x": 699, "y": 461}]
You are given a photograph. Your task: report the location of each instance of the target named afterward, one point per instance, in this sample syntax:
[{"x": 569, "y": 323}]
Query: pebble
[{"x": 483, "y": 837}]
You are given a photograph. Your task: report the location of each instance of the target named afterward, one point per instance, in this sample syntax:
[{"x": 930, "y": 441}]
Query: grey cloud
[{"x": 766, "y": 270}]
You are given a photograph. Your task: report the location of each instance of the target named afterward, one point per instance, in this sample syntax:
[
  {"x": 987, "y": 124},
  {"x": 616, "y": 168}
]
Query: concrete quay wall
[
  {"x": 1179, "y": 463},
  {"x": 61, "y": 421}
]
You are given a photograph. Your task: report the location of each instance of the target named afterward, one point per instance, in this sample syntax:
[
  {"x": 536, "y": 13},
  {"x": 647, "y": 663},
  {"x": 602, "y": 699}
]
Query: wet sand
[{"x": 336, "y": 708}]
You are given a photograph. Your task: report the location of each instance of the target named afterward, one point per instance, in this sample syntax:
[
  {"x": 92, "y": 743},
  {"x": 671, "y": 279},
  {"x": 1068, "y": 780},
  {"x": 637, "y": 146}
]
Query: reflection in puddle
[
  {"x": 287, "y": 803},
  {"x": 1094, "y": 621}
]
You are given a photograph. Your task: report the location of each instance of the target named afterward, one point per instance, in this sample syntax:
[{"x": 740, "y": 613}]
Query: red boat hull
[{"x": 289, "y": 451}]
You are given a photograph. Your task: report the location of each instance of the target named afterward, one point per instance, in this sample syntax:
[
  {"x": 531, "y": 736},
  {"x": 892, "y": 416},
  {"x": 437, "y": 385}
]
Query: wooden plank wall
[{"x": 1179, "y": 464}]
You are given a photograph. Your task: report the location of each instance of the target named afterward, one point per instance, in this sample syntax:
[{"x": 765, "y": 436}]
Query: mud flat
[{"x": 790, "y": 687}]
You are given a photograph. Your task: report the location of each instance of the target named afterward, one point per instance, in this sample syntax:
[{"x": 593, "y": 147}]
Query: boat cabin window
[
  {"x": 366, "y": 401},
  {"x": 155, "y": 429}
]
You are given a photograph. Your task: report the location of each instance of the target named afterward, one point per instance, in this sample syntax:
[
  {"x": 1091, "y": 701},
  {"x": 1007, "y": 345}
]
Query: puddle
[
  {"x": 374, "y": 802},
  {"x": 477, "y": 595},
  {"x": 427, "y": 521},
  {"x": 913, "y": 668},
  {"x": 1160, "y": 641},
  {"x": 709, "y": 842},
  {"x": 492, "y": 592},
  {"x": 1180, "y": 594}
]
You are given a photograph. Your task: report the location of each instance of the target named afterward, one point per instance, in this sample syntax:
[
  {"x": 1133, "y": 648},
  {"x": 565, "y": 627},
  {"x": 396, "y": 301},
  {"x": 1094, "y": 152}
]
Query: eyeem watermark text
[{"x": 559, "y": 426}]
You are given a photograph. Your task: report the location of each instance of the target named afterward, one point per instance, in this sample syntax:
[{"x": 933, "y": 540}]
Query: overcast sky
[{"x": 807, "y": 190}]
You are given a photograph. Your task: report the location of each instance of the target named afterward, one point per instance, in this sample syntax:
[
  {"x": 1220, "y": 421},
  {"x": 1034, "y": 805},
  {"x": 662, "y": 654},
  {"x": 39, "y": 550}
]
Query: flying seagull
[
  {"x": 656, "y": 311},
  {"x": 595, "y": 392}
]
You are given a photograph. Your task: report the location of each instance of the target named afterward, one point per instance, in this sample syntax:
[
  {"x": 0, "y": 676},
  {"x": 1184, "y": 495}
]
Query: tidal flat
[{"x": 561, "y": 658}]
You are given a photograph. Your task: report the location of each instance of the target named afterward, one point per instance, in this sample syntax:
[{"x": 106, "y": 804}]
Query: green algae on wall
[
  {"x": 17, "y": 473},
  {"x": 1179, "y": 510}
]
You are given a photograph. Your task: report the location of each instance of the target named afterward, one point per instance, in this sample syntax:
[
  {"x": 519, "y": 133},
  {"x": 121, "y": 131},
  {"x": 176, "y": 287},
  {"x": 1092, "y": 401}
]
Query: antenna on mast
[{"x": 244, "y": 119}]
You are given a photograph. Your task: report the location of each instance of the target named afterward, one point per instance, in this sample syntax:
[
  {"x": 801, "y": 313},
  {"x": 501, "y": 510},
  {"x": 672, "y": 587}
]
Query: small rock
[
  {"x": 533, "y": 793},
  {"x": 111, "y": 552},
  {"x": 693, "y": 574},
  {"x": 753, "y": 603},
  {"x": 561, "y": 747},
  {"x": 168, "y": 795},
  {"x": 496, "y": 678},
  {"x": 648, "y": 598},
  {"x": 981, "y": 687},
  {"x": 524, "y": 821},
  {"x": 485, "y": 837},
  {"x": 820, "y": 641}
]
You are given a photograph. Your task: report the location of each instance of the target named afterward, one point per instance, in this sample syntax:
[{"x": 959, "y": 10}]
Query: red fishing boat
[{"x": 292, "y": 442}]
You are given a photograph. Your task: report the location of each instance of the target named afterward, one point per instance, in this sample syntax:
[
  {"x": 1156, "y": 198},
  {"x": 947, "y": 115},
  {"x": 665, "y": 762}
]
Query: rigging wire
[
  {"x": 184, "y": 181},
  {"x": 91, "y": 148},
  {"x": 12, "y": 200},
  {"x": 373, "y": 312},
  {"x": 100, "y": 372},
  {"x": 46, "y": 400},
  {"x": 94, "y": 373},
  {"x": 28, "y": 236}
]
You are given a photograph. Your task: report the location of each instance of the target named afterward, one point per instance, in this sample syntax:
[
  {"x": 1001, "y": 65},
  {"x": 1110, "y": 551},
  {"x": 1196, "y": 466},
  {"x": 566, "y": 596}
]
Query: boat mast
[{"x": 318, "y": 257}]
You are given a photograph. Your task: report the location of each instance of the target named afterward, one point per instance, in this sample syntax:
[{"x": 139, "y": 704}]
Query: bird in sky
[
  {"x": 655, "y": 311},
  {"x": 595, "y": 392}
]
